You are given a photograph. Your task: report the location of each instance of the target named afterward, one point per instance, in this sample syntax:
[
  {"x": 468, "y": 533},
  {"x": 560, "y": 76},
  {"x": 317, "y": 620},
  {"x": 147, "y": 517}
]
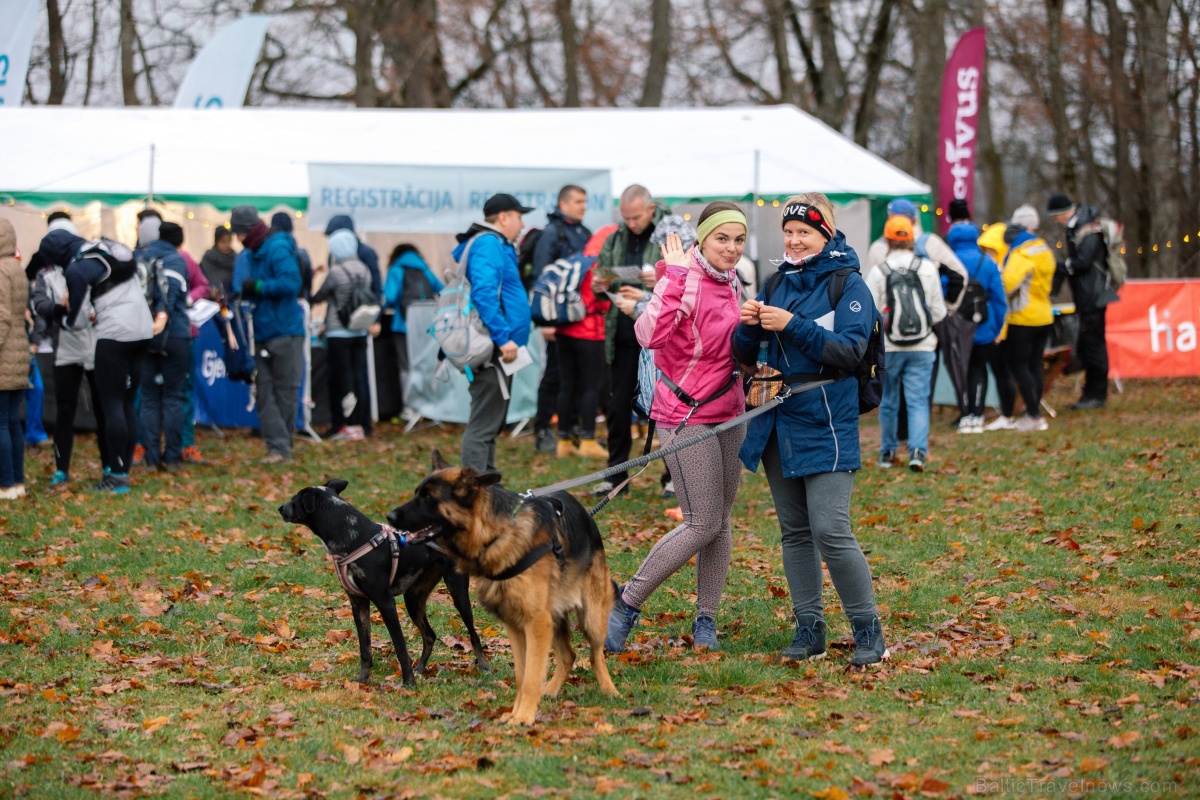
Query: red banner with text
[
  {"x": 1151, "y": 333},
  {"x": 962, "y": 87}
]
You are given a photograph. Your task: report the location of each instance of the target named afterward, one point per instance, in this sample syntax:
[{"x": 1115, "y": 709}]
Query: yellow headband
[{"x": 717, "y": 220}]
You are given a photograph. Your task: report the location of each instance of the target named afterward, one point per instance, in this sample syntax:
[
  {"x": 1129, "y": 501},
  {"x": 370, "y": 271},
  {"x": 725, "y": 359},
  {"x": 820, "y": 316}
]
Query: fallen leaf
[
  {"x": 1090, "y": 764},
  {"x": 832, "y": 793},
  {"x": 1123, "y": 740},
  {"x": 351, "y": 753},
  {"x": 336, "y": 636},
  {"x": 878, "y": 758}
]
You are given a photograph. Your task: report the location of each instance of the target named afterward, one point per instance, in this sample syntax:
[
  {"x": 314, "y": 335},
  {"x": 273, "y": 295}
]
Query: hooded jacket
[
  {"x": 1086, "y": 263},
  {"x": 496, "y": 289},
  {"x": 612, "y": 254},
  {"x": 688, "y": 325},
  {"x": 366, "y": 253},
  {"x": 114, "y": 291},
  {"x": 560, "y": 238},
  {"x": 338, "y": 290},
  {"x": 218, "y": 269},
  {"x": 393, "y": 289},
  {"x": 817, "y": 430},
  {"x": 71, "y": 346},
  {"x": 14, "y": 294},
  {"x": 277, "y": 310},
  {"x": 1030, "y": 258},
  {"x": 174, "y": 301},
  {"x": 963, "y": 239}
]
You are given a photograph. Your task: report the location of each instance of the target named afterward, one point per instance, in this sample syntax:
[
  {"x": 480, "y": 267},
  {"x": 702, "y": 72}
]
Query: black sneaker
[
  {"x": 887, "y": 460},
  {"x": 917, "y": 462},
  {"x": 868, "y": 642},
  {"x": 668, "y": 490},
  {"x": 114, "y": 483},
  {"x": 545, "y": 442},
  {"x": 810, "y": 639}
]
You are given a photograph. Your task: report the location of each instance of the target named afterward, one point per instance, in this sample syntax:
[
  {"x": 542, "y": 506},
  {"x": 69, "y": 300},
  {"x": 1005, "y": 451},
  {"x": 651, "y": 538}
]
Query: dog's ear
[
  {"x": 488, "y": 478},
  {"x": 438, "y": 461},
  {"x": 308, "y": 501},
  {"x": 337, "y": 484}
]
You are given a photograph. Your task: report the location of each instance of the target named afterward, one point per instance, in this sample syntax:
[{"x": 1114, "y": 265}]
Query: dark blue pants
[
  {"x": 12, "y": 439},
  {"x": 164, "y": 394}
]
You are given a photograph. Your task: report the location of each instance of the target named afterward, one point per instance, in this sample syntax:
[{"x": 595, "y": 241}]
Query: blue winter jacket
[
  {"x": 818, "y": 430},
  {"x": 175, "y": 302},
  {"x": 496, "y": 288},
  {"x": 393, "y": 289},
  {"x": 560, "y": 238},
  {"x": 276, "y": 308},
  {"x": 963, "y": 239}
]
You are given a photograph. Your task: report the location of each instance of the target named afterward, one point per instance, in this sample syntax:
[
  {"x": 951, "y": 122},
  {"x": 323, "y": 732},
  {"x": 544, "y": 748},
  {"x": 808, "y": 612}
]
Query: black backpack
[
  {"x": 974, "y": 306},
  {"x": 907, "y": 319},
  {"x": 870, "y": 368},
  {"x": 416, "y": 287}
]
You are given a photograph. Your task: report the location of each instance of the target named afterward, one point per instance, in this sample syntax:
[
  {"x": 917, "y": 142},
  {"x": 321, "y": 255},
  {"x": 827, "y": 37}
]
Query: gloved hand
[{"x": 249, "y": 287}]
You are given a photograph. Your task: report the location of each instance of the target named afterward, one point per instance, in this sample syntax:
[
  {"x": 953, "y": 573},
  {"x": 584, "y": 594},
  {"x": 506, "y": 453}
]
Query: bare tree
[
  {"x": 564, "y": 11},
  {"x": 127, "y": 39},
  {"x": 1058, "y": 97},
  {"x": 660, "y": 54}
]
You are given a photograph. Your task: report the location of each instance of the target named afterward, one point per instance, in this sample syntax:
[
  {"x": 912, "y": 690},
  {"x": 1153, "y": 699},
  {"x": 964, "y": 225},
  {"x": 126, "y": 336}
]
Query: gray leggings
[
  {"x": 814, "y": 519},
  {"x": 706, "y": 482}
]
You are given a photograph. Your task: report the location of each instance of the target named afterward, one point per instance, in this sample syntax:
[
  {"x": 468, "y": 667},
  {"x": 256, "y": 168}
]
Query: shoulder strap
[
  {"x": 837, "y": 285},
  {"x": 772, "y": 284}
]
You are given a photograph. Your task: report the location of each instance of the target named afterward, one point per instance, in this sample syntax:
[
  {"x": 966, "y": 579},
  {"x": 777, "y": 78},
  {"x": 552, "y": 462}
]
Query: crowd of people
[{"x": 668, "y": 329}]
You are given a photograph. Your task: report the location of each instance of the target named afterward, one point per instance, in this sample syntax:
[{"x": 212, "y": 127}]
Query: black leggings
[
  {"x": 975, "y": 394},
  {"x": 67, "y": 379},
  {"x": 347, "y": 361},
  {"x": 118, "y": 375},
  {"x": 580, "y": 369},
  {"x": 1025, "y": 348}
]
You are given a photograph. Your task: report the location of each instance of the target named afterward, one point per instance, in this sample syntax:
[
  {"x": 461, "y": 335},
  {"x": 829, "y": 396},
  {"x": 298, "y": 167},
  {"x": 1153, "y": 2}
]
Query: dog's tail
[{"x": 616, "y": 590}]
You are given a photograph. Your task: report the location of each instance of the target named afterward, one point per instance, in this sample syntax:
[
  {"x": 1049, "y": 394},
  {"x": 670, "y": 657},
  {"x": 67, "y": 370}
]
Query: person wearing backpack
[
  {"x": 349, "y": 394},
  {"x": 409, "y": 280},
  {"x": 908, "y": 293},
  {"x": 273, "y": 287},
  {"x": 563, "y": 235},
  {"x": 581, "y": 371},
  {"x": 809, "y": 444},
  {"x": 984, "y": 305},
  {"x": 1088, "y": 268},
  {"x": 503, "y": 307},
  {"x": 164, "y": 377}
]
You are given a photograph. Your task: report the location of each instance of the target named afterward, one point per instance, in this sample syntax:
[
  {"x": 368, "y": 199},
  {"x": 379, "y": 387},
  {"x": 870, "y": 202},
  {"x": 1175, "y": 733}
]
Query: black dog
[{"x": 344, "y": 529}]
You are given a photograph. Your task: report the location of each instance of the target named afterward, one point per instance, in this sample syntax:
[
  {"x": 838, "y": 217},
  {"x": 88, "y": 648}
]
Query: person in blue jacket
[
  {"x": 499, "y": 296},
  {"x": 164, "y": 376},
  {"x": 963, "y": 239},
  {"x": 808, "y": 444},
  {"x": 409, "y": 279},
  {"x": 273, "y": 287}
]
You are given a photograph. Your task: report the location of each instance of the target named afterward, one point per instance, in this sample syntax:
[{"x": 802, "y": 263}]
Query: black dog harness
[{"x": 395, "y": 539}]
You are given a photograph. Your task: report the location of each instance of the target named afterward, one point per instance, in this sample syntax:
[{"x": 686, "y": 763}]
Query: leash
[{"x": 788, "y": 391}]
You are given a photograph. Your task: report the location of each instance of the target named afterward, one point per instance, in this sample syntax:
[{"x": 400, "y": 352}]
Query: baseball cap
[
  {"x": 503, "y": 202},
  {"x": 898, "y": 228},
  {"x": 903, "y": 207}
]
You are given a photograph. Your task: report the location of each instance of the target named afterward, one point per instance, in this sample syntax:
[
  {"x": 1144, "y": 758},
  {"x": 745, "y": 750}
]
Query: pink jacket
[{"x": 688, "y": 324}]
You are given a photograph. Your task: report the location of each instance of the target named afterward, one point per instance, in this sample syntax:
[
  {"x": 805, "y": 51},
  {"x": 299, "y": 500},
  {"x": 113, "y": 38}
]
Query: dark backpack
[
  {"x": 557, "y": 297},
  {"x": 362, "y": 310},
  {"x": 529, "y": 247},
  {"x": 870, "y": 368},
  {"x": 907, "y": 319},
  {"x": 974, "y": 306},
  {"x": 416, "y": 288}
]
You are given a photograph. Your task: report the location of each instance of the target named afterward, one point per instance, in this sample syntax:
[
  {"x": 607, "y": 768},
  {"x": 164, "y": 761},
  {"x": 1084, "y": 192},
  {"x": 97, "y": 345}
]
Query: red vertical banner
[{"x": 962, "y": 92}]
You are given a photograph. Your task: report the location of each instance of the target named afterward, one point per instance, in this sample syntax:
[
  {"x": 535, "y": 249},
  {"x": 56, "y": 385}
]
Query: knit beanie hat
[
  {"x": 959, "y": 209},
  {"x": 343, "y": 245},
  {"x": 1027, "y": 217},
  {"x": 148, "y": 230},
  {"x": 282, "y": 221},
  {"x": 171, "y": 233}
]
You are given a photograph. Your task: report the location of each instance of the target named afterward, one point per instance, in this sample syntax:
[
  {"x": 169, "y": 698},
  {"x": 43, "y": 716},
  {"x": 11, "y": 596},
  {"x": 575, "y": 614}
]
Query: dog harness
[{"x": 341, "y": 564}]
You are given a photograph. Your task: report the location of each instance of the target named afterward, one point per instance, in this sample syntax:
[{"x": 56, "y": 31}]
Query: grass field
[{"x": 1038, "y": 593}]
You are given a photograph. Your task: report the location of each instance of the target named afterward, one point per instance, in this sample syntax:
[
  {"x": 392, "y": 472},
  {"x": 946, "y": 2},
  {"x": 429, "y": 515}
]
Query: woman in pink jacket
[{"x": 688, "y": 324}]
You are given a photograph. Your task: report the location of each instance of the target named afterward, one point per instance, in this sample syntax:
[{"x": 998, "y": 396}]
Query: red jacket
[{"x": 591, "y": 327}]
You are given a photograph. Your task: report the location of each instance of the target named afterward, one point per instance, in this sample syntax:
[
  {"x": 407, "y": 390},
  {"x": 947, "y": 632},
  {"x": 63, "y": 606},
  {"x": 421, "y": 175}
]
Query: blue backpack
[{"x": 556, "y": 298}]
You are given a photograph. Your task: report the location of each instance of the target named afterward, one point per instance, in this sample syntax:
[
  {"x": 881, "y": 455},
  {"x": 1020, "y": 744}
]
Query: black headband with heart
[{"x": 809, "y": 215}]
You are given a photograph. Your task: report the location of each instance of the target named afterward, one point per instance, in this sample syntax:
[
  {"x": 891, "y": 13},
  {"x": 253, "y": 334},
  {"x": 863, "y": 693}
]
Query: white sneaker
[
  {"x": 966, "y": 424},
  {"x": 977, "y": 424},
  {"x": 1027, "y": 424},
  {"x": 10, "y": 493},
  {"x": 1001, "y": 423}
]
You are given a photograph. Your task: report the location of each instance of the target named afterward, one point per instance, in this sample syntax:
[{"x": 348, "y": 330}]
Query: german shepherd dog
[
  {"x": 535, "y": 561},
  {"x": 418, "y": 568}
]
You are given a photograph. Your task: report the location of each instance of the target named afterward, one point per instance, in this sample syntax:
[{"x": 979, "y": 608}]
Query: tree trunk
[
  {"x": 362, "y": 21},
  {"x": 565, "y": 12},
  {"x": 58, "y": 55},
  {"x": 831, "y": 106},
  {"x": 929, "y": 41},
  {"x": 1058, "y": 98},
  {"x": 1157, "y": 144},
  {"x": 91, "y": 55},
  {"x": 128, "y": 75},
  {"x": 777, "y": 20},
  {"x": 876, "y": 54},
  {"x": 410, "y": 42},
  {"x": 660, "y": 54},
  {"x": 1122, "y": 116}
]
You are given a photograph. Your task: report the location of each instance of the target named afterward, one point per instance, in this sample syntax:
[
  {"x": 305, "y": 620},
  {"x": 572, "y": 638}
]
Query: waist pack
[
  {"x": 556, "y": 297},
  {"x": 460, "y": 333}
]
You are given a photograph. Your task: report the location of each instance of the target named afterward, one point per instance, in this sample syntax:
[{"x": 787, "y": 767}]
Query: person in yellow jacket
[{"x": 1028, "y": 274}]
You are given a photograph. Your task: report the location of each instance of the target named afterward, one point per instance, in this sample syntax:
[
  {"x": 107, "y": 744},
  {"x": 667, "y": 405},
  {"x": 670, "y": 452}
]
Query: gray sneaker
[
  {"x": 704, "y": 632},
  {"x": 545, "y": 442},
  {"x": 809, "y": 642},
  {"x": 868, "y": 642},
  {"x": 621, "y": 620}
]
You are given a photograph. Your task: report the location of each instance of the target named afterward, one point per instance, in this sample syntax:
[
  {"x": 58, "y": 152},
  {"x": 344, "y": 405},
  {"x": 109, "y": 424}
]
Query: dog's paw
[
  {"x": 524, "y": 720},
  {"x": 483, "y": 665}
]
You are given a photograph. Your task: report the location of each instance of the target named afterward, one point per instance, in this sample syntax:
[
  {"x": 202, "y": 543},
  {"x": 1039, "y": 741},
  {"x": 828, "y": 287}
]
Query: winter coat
[
  {"x": 366, "y": 253},
  {"x": 993, "y": 239},
  {"x": 393, "y": 288},
  {"x": 496, "y": 288},
  {"x": 14, "y": 295},
  {"x": 963, "y": 239},
  {"x": 71, "y": 346},
  {"x": 218, "y": 269},
  {"x": 277, "y": 311},
  {"x": 338, "y": 289},
  {"x": 175, "y": 300},
  {"x": 560, "y": 238},
  {"x": 591, "y": 327},
  {"x": 1086, "y": 263},
  {"x": 688, "y": 325},
  {"x": 930, "y": 282},
  {"x": 1030, "y": 256},
  {"x": 612, "y": 254},
  {"x": 198, "y": 285},
  {"x": 114, "y": 291},
  {"x": 818, "y": 430}
]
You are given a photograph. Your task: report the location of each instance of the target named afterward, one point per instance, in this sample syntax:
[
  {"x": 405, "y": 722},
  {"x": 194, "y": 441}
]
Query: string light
[
  {"x": 775, "y": 204},
  {"x": 686, "y": 218},
  {"x": 924, "y": 209},
  {"x": 761, "y": 202},
  {"x": 938, "y": 212}
]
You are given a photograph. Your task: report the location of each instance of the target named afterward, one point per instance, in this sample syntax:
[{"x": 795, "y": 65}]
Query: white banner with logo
[
  {"x": 18, "y": 22},
  {"x": 422, "y": 199},
  {"x": 220, "y": 75}
]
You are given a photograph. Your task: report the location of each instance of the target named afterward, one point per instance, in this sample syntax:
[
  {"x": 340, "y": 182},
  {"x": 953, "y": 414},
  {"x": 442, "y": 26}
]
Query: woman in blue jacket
[
  {"x": 409, "y": 279},
  {"x": 963, "y": 239},
  {"x": 808, "y": 444}
]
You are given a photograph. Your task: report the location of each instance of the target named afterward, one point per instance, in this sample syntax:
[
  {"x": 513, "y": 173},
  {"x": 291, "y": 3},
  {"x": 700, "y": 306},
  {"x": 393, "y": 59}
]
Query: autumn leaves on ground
[{"x": 1038, "y": 593}]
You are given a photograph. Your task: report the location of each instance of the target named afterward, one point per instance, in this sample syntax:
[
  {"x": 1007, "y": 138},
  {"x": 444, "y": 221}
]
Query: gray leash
[{"x": 675, "y": 446}]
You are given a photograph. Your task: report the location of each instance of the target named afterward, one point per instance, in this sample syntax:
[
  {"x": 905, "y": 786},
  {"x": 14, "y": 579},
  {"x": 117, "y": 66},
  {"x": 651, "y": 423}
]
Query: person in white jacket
[
  {"x": 930, "y": 246},
  {"x": 908, "y": 293}
]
